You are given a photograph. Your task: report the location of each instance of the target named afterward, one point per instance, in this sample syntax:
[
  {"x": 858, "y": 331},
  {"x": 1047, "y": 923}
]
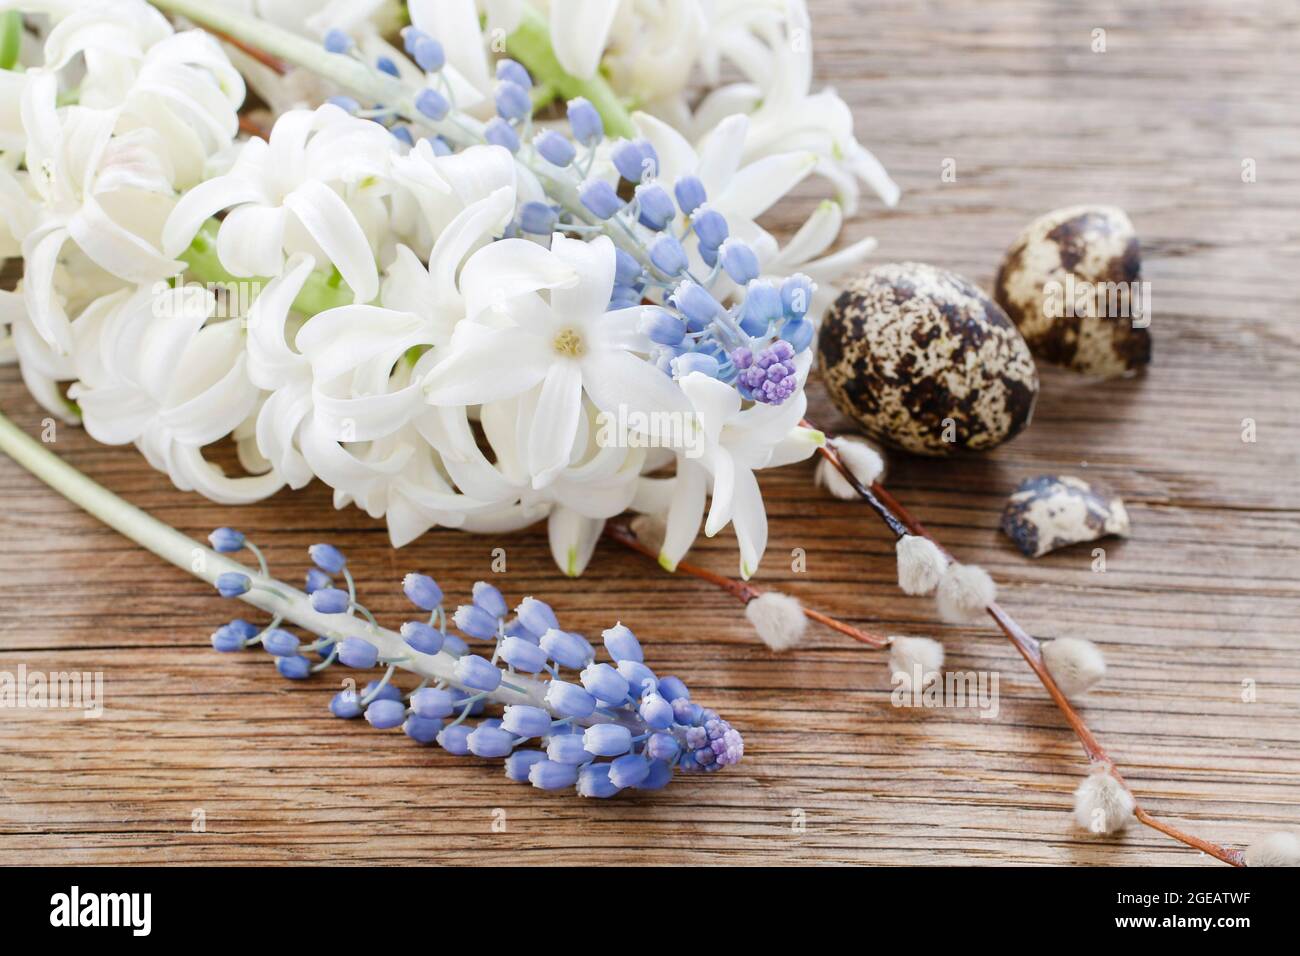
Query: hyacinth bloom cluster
[
  {"x": 462, "y": 287},
  {"x": 510, "y": 685}
]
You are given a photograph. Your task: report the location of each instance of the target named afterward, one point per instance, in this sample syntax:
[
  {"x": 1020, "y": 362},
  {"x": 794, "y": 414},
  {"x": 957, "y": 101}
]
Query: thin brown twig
[
  {"x": 742, "y": 591},
  {"x": 900, "y": 521},
  {"x": 260, "y": 56}
]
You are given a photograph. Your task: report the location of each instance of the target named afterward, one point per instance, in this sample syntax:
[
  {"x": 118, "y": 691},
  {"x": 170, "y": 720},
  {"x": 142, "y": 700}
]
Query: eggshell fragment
[{"x": 1054, "y": 511}]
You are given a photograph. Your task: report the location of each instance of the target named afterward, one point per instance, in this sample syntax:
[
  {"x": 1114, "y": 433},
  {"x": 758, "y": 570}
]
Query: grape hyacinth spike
[{"x": 601, "y": 729}]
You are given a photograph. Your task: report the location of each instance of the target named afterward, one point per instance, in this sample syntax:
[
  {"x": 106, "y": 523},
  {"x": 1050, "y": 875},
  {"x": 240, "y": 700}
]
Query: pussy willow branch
[
  {"x": 900, "y": 521},
  {"x": 742, "y": 591}
]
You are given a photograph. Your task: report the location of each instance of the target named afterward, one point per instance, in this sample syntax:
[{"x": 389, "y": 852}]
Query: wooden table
[{"x": 1202, "y": 600}]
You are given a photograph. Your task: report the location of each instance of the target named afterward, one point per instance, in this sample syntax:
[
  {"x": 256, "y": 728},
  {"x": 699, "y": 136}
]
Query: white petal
[
  {"x": 454, "y": 24},
  {"x": 199, "y": 204},
  {"x": 573, "y": 538},
  {"x": 579, "y": 32},
  {"x": 116, "y": 249},
  {"x": 338, "y": 340},
  {"x": 676, "y": 157},
  {"x": 251, "y": 240},
  {"x": 555, "y": 422},
  {"x": 684, "y": 514},
  {"x": 500, "y": 271},
  {"x": 720, "y": 154},
  {"x": 478, "y": 223},
  {"x": 750, "y": 521},
  {"x": 336, "y": 230},
  {"x": 715, "y": 403},
  {"x": 483, "y": 365},
  {"x": 725, "y": 472},
  {"x": 594, "y": 263},
  {"x": 614, "y": 379},
  {"x": 758, "y": 185}
]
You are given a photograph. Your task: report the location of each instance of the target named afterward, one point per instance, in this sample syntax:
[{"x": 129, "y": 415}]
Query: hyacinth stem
[
  {"x": 268, "y": 594},
  {"x": 271, "y": 43},
  {"x": 900, "y": 521},
  {"x": 742, "y": 591}
]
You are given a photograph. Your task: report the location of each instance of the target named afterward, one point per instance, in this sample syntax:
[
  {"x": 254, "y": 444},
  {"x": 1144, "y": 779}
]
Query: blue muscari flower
[
  {"x": 523, "y": 720},
  {"x": 673, "y": 689},
  {"x": 692, "y": 362},
  {"x": 660, "y": 775},
  {"x": 453, "y": 645},
  {"x": 661, "y": 327},
  {"x": 317, "y": 579},
  {"x": 487, "y": 741},
  {"x": 599, "y": 198},
  {"x": 622, "y": 643},
  {"x": 384, "y": 713},
  {"x": 661, "y": 746},
  {"x": 433, "y": 702},
  {"x": 607, "y": 740},
  {"x": 386, "y": 65},
  {"x": 569, "y": 700},
  {"x": 686, "y": 712},
  {"x": 623, "y": 297},
  {"x": 432, "y": 104},
  {"x": 293, "y": 667},
  {"x": 421, "y": 637},
  {"x": 593, "y": 781},
  {"x": 500, "y": 133},
  {"x": 336, "y": 41},
  {"x": 627, "y": 271},
  {"x": 358, "y": 652},
  {"x": 604, "y": 683},
  {"x": 630, "y": 159},
  {"x": 655, "y": 206},
  {"x": 346, "y": 704},
  {"x": 280, "y": 642},
  {"x": 233, "y": 584},
  {"x": 668, "y": 256},
  {"x": 513, "y": 101},
  {"x": 711, "y": 227},
  {"x": 636, "y": 674},
  {"x": 739, "y": 261},
  {"x": 515, "y": 628},
  {"x": 330, "y": 601},
  {"x": 346, "y": 103},
  {"x": 384, "y": 692},
  {"x": 538, "y": 218},
  {"x": 695, "y": 303},
  {"x": 690, "y": 194},
  {"x": 226, "y": 540},
  {"x": 554, "y": 147},
  {"x": 796, "y": 295},
  {"x": 713, "y": 744},
  {"x": 487, "y": 597},
  {"x": 227, "y": 638},
  {"x": 424, "y": 50},
  {"x": 403, "y": 133},
  {"x": 549, "y": 775},
  {"x": 514, "y": 72},
  {"x": 566, "y": 648},
  {"x": 585, "y": 122},
  {"x": 439, "y": 145},
  {"x": 762, "y": 306},
  {"x": 477, "y": 672},
  {"x": 568, "y": 749},
  {"x": 799, "y": 333},
  {"x": 520, "y": 764},
  {"x": 628, "y": 770},
  {"x": 453, "y": 739},
  {"x": 522, "y": 655},
  {"x": 656, "y": 712},
  {"x": 422, "y": 591},
  {"x": 770, "y": 376},
  {"x": 423, "y": 730},
  {"x": 536, "y": 616},
  {"x": 327, "y": 557},
  {"x": 476, "y": 622}
]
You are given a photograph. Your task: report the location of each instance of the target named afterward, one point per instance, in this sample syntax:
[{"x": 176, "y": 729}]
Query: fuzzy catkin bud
[
  {"x": 1101, "y": 804},
  {"x": 1075, "y": 664},
  {"x": 965, "y": 592},
  {"x": 1277, "y": 849},
  {"x": 920, "y": 564},
  {"x": 862, "y": 460},
  {"x": 778, "y": 618},
  {"x": 910, "y": 656}
]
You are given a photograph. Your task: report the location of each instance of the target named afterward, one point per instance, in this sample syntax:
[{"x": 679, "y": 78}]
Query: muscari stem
[
  {"x": 268, "y": 594},
  {"x": 742, "y": 591},
  {"x": 896, "y": 517}
]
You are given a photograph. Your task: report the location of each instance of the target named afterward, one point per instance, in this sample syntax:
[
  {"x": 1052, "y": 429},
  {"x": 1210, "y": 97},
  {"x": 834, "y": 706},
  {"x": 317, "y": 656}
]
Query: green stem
[
  {"x": 530, "y": 44},
  {"x": 11, "y": 38}
]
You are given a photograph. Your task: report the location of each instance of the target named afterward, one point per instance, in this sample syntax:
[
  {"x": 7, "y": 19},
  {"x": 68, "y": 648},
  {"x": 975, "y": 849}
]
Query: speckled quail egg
[
  {"x": 925, "y": 361},
  {"x": 1072, "y": 284},
  {"x": 1047, "y": 512}
]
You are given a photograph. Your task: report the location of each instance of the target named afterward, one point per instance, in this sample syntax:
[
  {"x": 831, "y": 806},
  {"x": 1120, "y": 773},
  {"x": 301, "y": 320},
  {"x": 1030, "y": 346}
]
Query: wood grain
[{"x": 1204, "y": 596}]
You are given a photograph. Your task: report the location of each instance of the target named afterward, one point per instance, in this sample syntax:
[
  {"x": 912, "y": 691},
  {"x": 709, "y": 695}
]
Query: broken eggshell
[
  {"x": 1053, "y": 511},
  {"x": 1072, "y": 284},
  {"x": 925, "y": 361}
]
